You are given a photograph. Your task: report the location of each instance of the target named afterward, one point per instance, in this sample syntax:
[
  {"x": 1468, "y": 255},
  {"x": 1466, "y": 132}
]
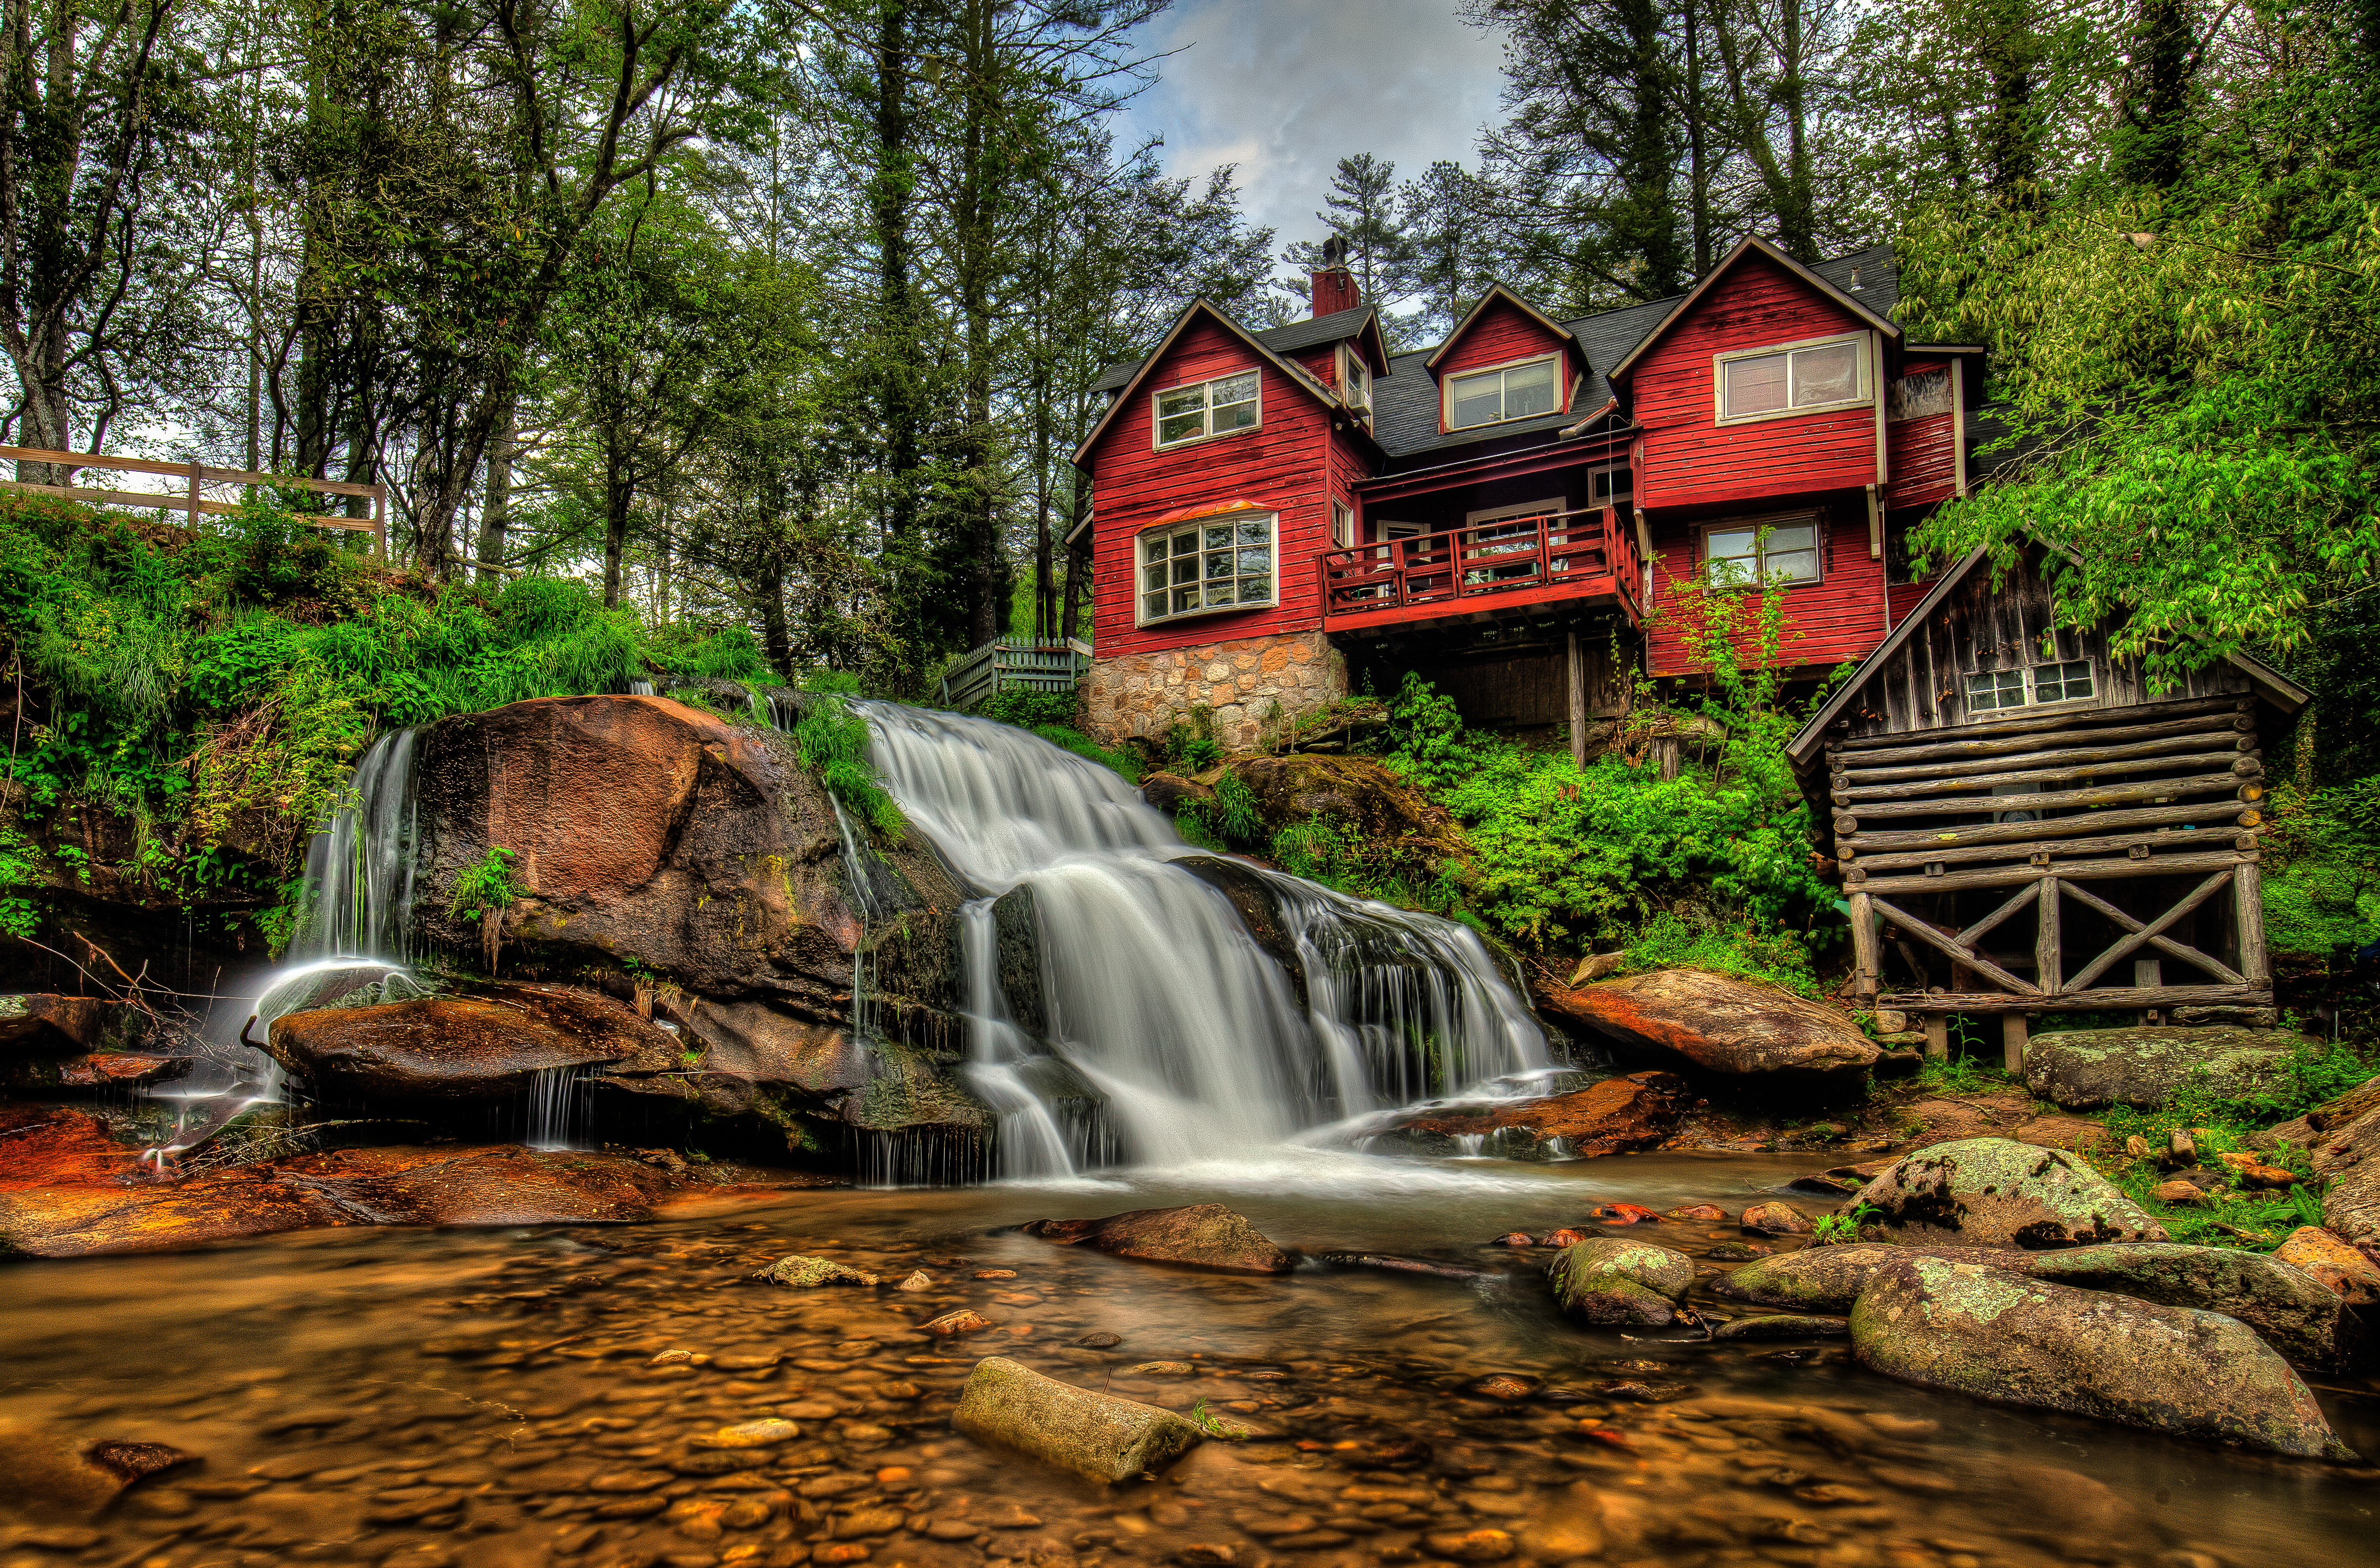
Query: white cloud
[{"x": 1284, "y": 89}]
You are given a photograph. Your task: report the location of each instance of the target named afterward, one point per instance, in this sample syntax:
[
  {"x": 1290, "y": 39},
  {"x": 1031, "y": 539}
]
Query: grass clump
[{"x": 833, "y": 741}]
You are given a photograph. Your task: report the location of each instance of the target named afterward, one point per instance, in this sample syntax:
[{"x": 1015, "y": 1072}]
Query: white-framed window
[
  {"x": 1355, "y": 379},
  {"x": 1742, "y": 553},
  {"x": 1613, "y": 486},
  {"x": 1506, "y": 392},
  {"x": 2067, "y": 682},
  {"x": 1995, "y": 689},
  {"x": 1792, "y": 378},
  {"x": 1212, "y": 564},
  {"x": 1342, "y": 525},
  {"x": 1204, "y": 409}
]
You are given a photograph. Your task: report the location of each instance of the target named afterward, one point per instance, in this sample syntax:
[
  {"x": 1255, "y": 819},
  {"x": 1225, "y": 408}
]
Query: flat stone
[
  {"x": 2338, "y": 1267},
  {"x": 2085, "y": 1069},
  {"x": 809, "y": 1273},
  {"x": 1718, "y": 1023},
  {"x": 1827, "y": 1280},
  {"x": 1202, "y": 1235},
  {"x": 2296, "y": 1313},
  {"x": 1783, "y": 1326}
]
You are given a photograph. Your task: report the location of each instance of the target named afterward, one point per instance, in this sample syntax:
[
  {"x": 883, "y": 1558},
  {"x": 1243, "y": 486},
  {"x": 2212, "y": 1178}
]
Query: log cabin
[
  {"x": 2024, "y": 828},
  {"x": 1280, "y": 515}
]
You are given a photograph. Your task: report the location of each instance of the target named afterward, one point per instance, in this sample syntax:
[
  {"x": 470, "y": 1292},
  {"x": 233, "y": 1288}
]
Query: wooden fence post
[
  {"x": 1577, "y": 702},
  {"x": 197, "y": 475},
  {"x": 2012, "y": 1039},
  {"x": 1937, "y": 1036}
]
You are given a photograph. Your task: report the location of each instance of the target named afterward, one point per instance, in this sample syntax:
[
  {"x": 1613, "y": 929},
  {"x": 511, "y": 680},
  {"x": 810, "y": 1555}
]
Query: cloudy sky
[{"x": 1284, "y": 89}]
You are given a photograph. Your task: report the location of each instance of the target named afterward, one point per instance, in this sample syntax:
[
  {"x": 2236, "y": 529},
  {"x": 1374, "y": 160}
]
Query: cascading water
[
  {"x": 359, "y": 867},
  {"x": 1156, "y": 994}
]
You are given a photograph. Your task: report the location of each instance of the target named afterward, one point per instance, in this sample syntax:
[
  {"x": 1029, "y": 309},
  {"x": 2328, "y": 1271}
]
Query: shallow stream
[{"x": 480, "y": 1399}]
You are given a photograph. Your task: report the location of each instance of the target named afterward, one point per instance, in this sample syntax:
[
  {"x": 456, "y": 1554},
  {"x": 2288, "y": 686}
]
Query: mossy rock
[
  {"x": 1613, "y": 1280},
  {"x": 2085, "y": 1069}
]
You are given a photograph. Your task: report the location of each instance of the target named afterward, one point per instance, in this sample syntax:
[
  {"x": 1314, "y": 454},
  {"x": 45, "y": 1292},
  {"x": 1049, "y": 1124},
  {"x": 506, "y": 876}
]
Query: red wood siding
[
  {"x": 1691, "y": 458},
  {"x": 1501, "y": 334},
  {"x": 1826, "y": 622},
  {"x": 1280, "y": 465},
  {"x": 1924, "y": 463}
]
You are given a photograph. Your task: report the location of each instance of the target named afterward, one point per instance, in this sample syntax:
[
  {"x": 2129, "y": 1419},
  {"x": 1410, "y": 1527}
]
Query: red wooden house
[{"x": 1509, "y": 511}]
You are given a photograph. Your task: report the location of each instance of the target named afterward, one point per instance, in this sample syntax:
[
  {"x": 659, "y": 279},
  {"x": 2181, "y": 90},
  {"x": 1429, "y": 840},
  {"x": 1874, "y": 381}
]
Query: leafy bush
[
  {"x": 1233, "y": 815},
  {"x": 833, "y": 741},
  {"x": 2321, "y": 884},
  {"x": 1030, "y": 710}
]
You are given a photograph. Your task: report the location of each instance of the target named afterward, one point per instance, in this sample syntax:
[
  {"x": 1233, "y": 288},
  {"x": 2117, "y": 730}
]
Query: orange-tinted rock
[
  {"x": 448, "y": 1047},
  {"x": 1203, "y": 1236},
  {"x": 48, "y": 1146},
  {"x": 2341, "y": 1268},
  {"x": 1624, "y": 1214},
  {"x": 1515, "y": 1238},
  {"x": 374, "y": 1187},
  {"x": 1563, "y": 1237},
  {"x": 1719, "y": 1025},
  {"x": 47, "y": 1474},
  {"x": 1633, "y": 1111},
  {"x": 1709, "y": 1213},
  {"x": 1776, "y": 1220}
]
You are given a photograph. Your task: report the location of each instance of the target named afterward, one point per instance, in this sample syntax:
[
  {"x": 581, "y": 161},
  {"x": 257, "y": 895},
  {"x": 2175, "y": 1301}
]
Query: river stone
[
  {"x": 1095, "y": 1435},
  {"x": 2084, "y": 1069},
  {"x": 809, "y": 1273},
  {"x": 2290, "y": 1309},
  {"x": 1719, "y": 1025},
  {"x": 1633, "y": 1111},
  {"x": 1614, "y": 1280},
  {"x": 1203, "y": 1235},
  {"x": 39, "y": 1021},
  {"x": 1996, "y": 1335},
  {"x": 2336, "y": 1267},
  {"x": 461, "y": 1048},
  {"x": 1828, "y": 1279},
  {"x": 1995, "y": 1192},
  {"x": 49, "y": 1473}
]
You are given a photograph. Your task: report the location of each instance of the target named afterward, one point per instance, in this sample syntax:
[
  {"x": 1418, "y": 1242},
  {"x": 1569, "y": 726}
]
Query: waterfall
[
  {"x": 359, "y": 865},
  {"x": 554, "y": 1095},
  {"x": 1156, "y": 995}
]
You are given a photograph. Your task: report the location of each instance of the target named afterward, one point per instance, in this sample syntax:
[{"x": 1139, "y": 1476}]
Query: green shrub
[
  {"x": 833, "y": 741},
  {"x": 1232, "y": 815},
  {"x": 2322, "y": 882},
  {"x": 1030, "y": 710}
]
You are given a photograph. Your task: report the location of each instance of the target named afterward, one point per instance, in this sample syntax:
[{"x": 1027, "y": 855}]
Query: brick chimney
[{"x": 1334, "y": 285}]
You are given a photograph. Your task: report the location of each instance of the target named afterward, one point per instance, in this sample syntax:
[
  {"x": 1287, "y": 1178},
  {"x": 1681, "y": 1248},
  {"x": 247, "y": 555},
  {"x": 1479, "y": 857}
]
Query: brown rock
[
  {"x": 51, "y": 1146},
  {"x": 49, "y": 1475},
  {"x": 1719, "y": 1025},
  {"x": 1776, "y": 1220},
  {"x": 1624, "y": 1214},
  {"x": 2340, "y": 1268},
  {"x": 1700, "y": 1213},
  {"x": 42, "y": 1022},
  {"x": 1515, "y": 1238},
  {"x": 951, "y": 1324},
  {"x": 449, "y": 1047},
  {"x": 1472, "y": 1546},
  {"x": 2350, "y": 1107},
  {"x": 1619, "y": 1115},
  {"x": 2176, "y": 1191},
  {"x": 1563, "y": 1237},
  {"x": 1203, "y": 1235}
]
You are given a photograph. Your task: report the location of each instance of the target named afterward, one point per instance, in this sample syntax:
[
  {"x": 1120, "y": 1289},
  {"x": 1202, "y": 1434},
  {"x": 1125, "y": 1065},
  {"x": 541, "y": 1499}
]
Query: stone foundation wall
[{"x": 1143, "y": 695}]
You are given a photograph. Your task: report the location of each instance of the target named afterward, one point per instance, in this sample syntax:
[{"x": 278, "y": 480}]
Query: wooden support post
[
  {"x": 1867, "y": 955},
  {"x": 2248, "y": 911},
  {"x": 1937, "y": 1036},
  {"x": 2012, "y": 1038},
  {"x": 197, "y": 474},
  {"x": 1577, "y": 701},
  {"x": 2048, "y": 955}
]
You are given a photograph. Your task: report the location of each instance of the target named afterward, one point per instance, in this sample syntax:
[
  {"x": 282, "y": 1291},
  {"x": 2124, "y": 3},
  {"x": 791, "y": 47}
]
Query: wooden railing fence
[{"x": 190, "y": 500}]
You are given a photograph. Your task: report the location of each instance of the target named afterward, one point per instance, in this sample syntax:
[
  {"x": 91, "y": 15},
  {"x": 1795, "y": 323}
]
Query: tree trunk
[
  {"x": 496, "y": 507},
  {"x": 619, "y": 496}
]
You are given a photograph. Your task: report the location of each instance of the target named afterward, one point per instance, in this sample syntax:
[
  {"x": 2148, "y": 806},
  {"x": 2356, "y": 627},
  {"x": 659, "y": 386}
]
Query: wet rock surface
[
  {"x": 462, "y": 1047},
  {"x": 1715, "y": 1024},
  {"x": 2295, "y": 1313},
  {"x": 1095, "y": 1435},
  {"x": 2348, "y": 1157},
  {"x": 42, "y": 1022},
  {"x": 1614, "y": 1280},
  {"x": 2332, "y": 1263},
  {"x": 1635, "y": 1111},
  {"x": 1993, "y": 1334},
  {"x": 1202, "y": 1235},
  {"x": 2086, "y": 1069},
  {"x": 1995, "y": 1192}
]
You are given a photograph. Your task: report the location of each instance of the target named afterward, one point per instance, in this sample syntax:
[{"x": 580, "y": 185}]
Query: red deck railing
[{"x": 1517, "y": 560}]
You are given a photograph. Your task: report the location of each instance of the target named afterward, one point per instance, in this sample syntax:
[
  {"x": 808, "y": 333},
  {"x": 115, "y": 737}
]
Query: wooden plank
[
  {"x": 2160, "y": 841},
  {"x": 2010, "y": 875},
  {"x": 2106, "y": 1000},
  {"x": 1951, "y": 950},
  {"x": 2048, "y": 938},
  {"x": 1866, "y": 954},
  {"x": 2248, "y": 912},
  {"x": 2153, "y": 934},
  {"x": 2140, "y": 793},
  {"x": 2012, "y": 1036},
  {"x": 2240, "y": 767},
  {"x": 2079, "y": 718},
  {"x": 1938, "y": 1037},
  {"x": 181, "y": 471},
  {"x": 2131, "y": 724},
  {"x": 2201, "y": 734},
  {"x": 2221, "y": 815},
  {"x": 158, "y": 501}
]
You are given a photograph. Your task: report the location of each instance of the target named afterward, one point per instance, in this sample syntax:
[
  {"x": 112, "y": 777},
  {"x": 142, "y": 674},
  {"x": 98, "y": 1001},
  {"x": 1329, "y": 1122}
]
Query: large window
[
  {"x": 1215, "y": 564},
  {"x": 1796, "y": 379},
  {"x": 1206, "y": 408},
  {"x": 1509, "y": 391},
  {"x": 1740, "y": 554}
]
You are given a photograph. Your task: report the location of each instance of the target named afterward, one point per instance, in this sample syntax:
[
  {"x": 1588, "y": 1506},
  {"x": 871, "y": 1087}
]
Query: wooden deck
[{"x": 1486, "y": 571}]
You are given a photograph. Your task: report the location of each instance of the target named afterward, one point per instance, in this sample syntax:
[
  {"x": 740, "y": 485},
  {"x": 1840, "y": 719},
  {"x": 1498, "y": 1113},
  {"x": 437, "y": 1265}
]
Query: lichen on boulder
[
  {"x": 2085, "y": 1069},
  {"x": 1613, "y": 1280},
  {"x": 1995, "y": 1192}
]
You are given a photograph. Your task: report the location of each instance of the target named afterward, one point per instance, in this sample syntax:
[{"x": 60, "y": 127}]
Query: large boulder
[
  {"x": 695, "y": 862},
  {"x": 2345, "y": 1271},
  {"x": 1097, "y": 1436},
  {"x": 42, "y": 1022},
  {"x": 2084, "y": 1069},
  {"x": 1826, "y": 1279},
  {"x": 1995, "y": 1192},
  {"x": 2295, "y": 1312},
  {"x": 1203, "y": 1235},
  {"x": 1718, "y": 1025},
  {"x": 2347, "y": 1156},
  {"x": 1614, "y": 1280},
  {"x": 1997, "y": 1335},
  {"x": 1635, "y": 1111},
  {"x": 462, "y": 1047}
]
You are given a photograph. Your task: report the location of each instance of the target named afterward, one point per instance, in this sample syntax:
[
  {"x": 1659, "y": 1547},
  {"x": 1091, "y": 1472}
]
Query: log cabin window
[
  {"x": 2069, "y": 682},
  {"x": 1208, "y": 408},
  {"x": 1743, "y": 554},
  {"x": 1995, "y": 689},
  {"x": 1214, "y": 564},
  {"x": 1507, "y": 391},
  {"x": 1793, "y": 378}
]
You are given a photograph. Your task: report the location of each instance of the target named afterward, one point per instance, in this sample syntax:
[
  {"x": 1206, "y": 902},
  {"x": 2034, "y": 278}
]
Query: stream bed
[{"x": 479, "y": 1399}]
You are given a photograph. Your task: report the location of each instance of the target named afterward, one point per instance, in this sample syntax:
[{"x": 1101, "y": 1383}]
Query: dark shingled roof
[{"x": 1404, "y": 401}]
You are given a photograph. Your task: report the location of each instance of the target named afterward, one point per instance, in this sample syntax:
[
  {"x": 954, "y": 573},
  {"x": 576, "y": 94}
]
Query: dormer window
[
  {"x": 1793, "y": 378},
  {"x": 1354, "y": 380},
  {"x": 1508, "y": 392},
  {"x": 1208, "y": 408}
]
